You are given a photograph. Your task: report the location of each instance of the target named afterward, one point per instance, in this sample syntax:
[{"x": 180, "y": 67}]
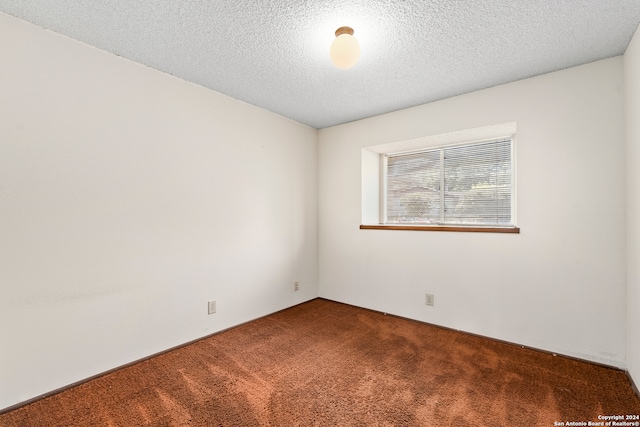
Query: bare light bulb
[{"x": 345, "y": 49}]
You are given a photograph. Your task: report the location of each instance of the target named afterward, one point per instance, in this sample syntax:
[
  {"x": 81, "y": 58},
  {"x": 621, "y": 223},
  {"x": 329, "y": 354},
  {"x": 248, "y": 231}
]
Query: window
[
  {"x": 461, "y": 185},
  {"x": 442, "y": 182}
]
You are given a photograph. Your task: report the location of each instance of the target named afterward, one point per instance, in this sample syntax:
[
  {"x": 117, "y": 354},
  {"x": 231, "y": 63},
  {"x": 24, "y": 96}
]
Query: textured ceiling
[{"x": 274, "y": 53}]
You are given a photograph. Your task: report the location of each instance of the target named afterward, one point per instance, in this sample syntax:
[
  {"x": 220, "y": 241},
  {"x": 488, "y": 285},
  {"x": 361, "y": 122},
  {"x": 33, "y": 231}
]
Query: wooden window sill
[{"x": 468, "y": 229}]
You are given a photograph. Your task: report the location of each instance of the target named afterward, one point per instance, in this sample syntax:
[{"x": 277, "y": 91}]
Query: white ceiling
[{"x": 274, "y": 53}]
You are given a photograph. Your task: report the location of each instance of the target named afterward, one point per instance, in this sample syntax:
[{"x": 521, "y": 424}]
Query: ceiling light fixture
[{"x": 345, "y": 49}]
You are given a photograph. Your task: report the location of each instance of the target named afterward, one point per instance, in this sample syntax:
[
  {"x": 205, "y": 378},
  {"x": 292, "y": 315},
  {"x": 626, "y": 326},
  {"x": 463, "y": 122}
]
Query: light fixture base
[{"x": 344, "y": 30}]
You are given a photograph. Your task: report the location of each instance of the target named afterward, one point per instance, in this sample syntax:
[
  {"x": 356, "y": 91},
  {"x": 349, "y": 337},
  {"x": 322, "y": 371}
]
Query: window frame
[{"x": 383, "y": 168}]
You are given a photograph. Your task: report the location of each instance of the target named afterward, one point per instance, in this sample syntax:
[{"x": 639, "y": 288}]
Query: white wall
[
  {"x": 632, "y": 109},
  {"x": 559, "y": 285},
  {"x": 128, "y": 198}
]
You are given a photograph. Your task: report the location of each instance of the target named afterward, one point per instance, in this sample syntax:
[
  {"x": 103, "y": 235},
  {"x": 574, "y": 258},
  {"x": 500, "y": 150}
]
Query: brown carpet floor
[{"x": 328, "y": 364}]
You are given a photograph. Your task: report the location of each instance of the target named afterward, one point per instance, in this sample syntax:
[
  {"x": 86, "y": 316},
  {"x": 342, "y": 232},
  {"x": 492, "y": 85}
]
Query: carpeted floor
[{"x": 328, "y": 364}]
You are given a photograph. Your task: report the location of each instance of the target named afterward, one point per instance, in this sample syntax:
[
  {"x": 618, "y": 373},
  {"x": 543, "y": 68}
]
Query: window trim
[{"x": 462, "y": 228}]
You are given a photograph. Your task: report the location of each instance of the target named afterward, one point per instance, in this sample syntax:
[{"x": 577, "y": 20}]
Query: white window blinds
[{"x": 470, "y": 184}]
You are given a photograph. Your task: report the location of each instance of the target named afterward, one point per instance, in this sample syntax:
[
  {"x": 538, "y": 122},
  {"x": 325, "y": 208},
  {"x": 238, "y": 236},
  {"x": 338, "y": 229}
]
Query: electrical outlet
[
  {"x": 296, "y": 286},
  {"x": 429, "y": 299},
  {"x": 212, "y": 307}
]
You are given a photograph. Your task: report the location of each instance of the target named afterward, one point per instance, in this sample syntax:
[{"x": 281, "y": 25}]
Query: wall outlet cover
[{"x": 430, "y": 300}]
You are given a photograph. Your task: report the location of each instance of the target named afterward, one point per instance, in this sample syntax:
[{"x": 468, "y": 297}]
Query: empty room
[{"x": 278, "y": 213}]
